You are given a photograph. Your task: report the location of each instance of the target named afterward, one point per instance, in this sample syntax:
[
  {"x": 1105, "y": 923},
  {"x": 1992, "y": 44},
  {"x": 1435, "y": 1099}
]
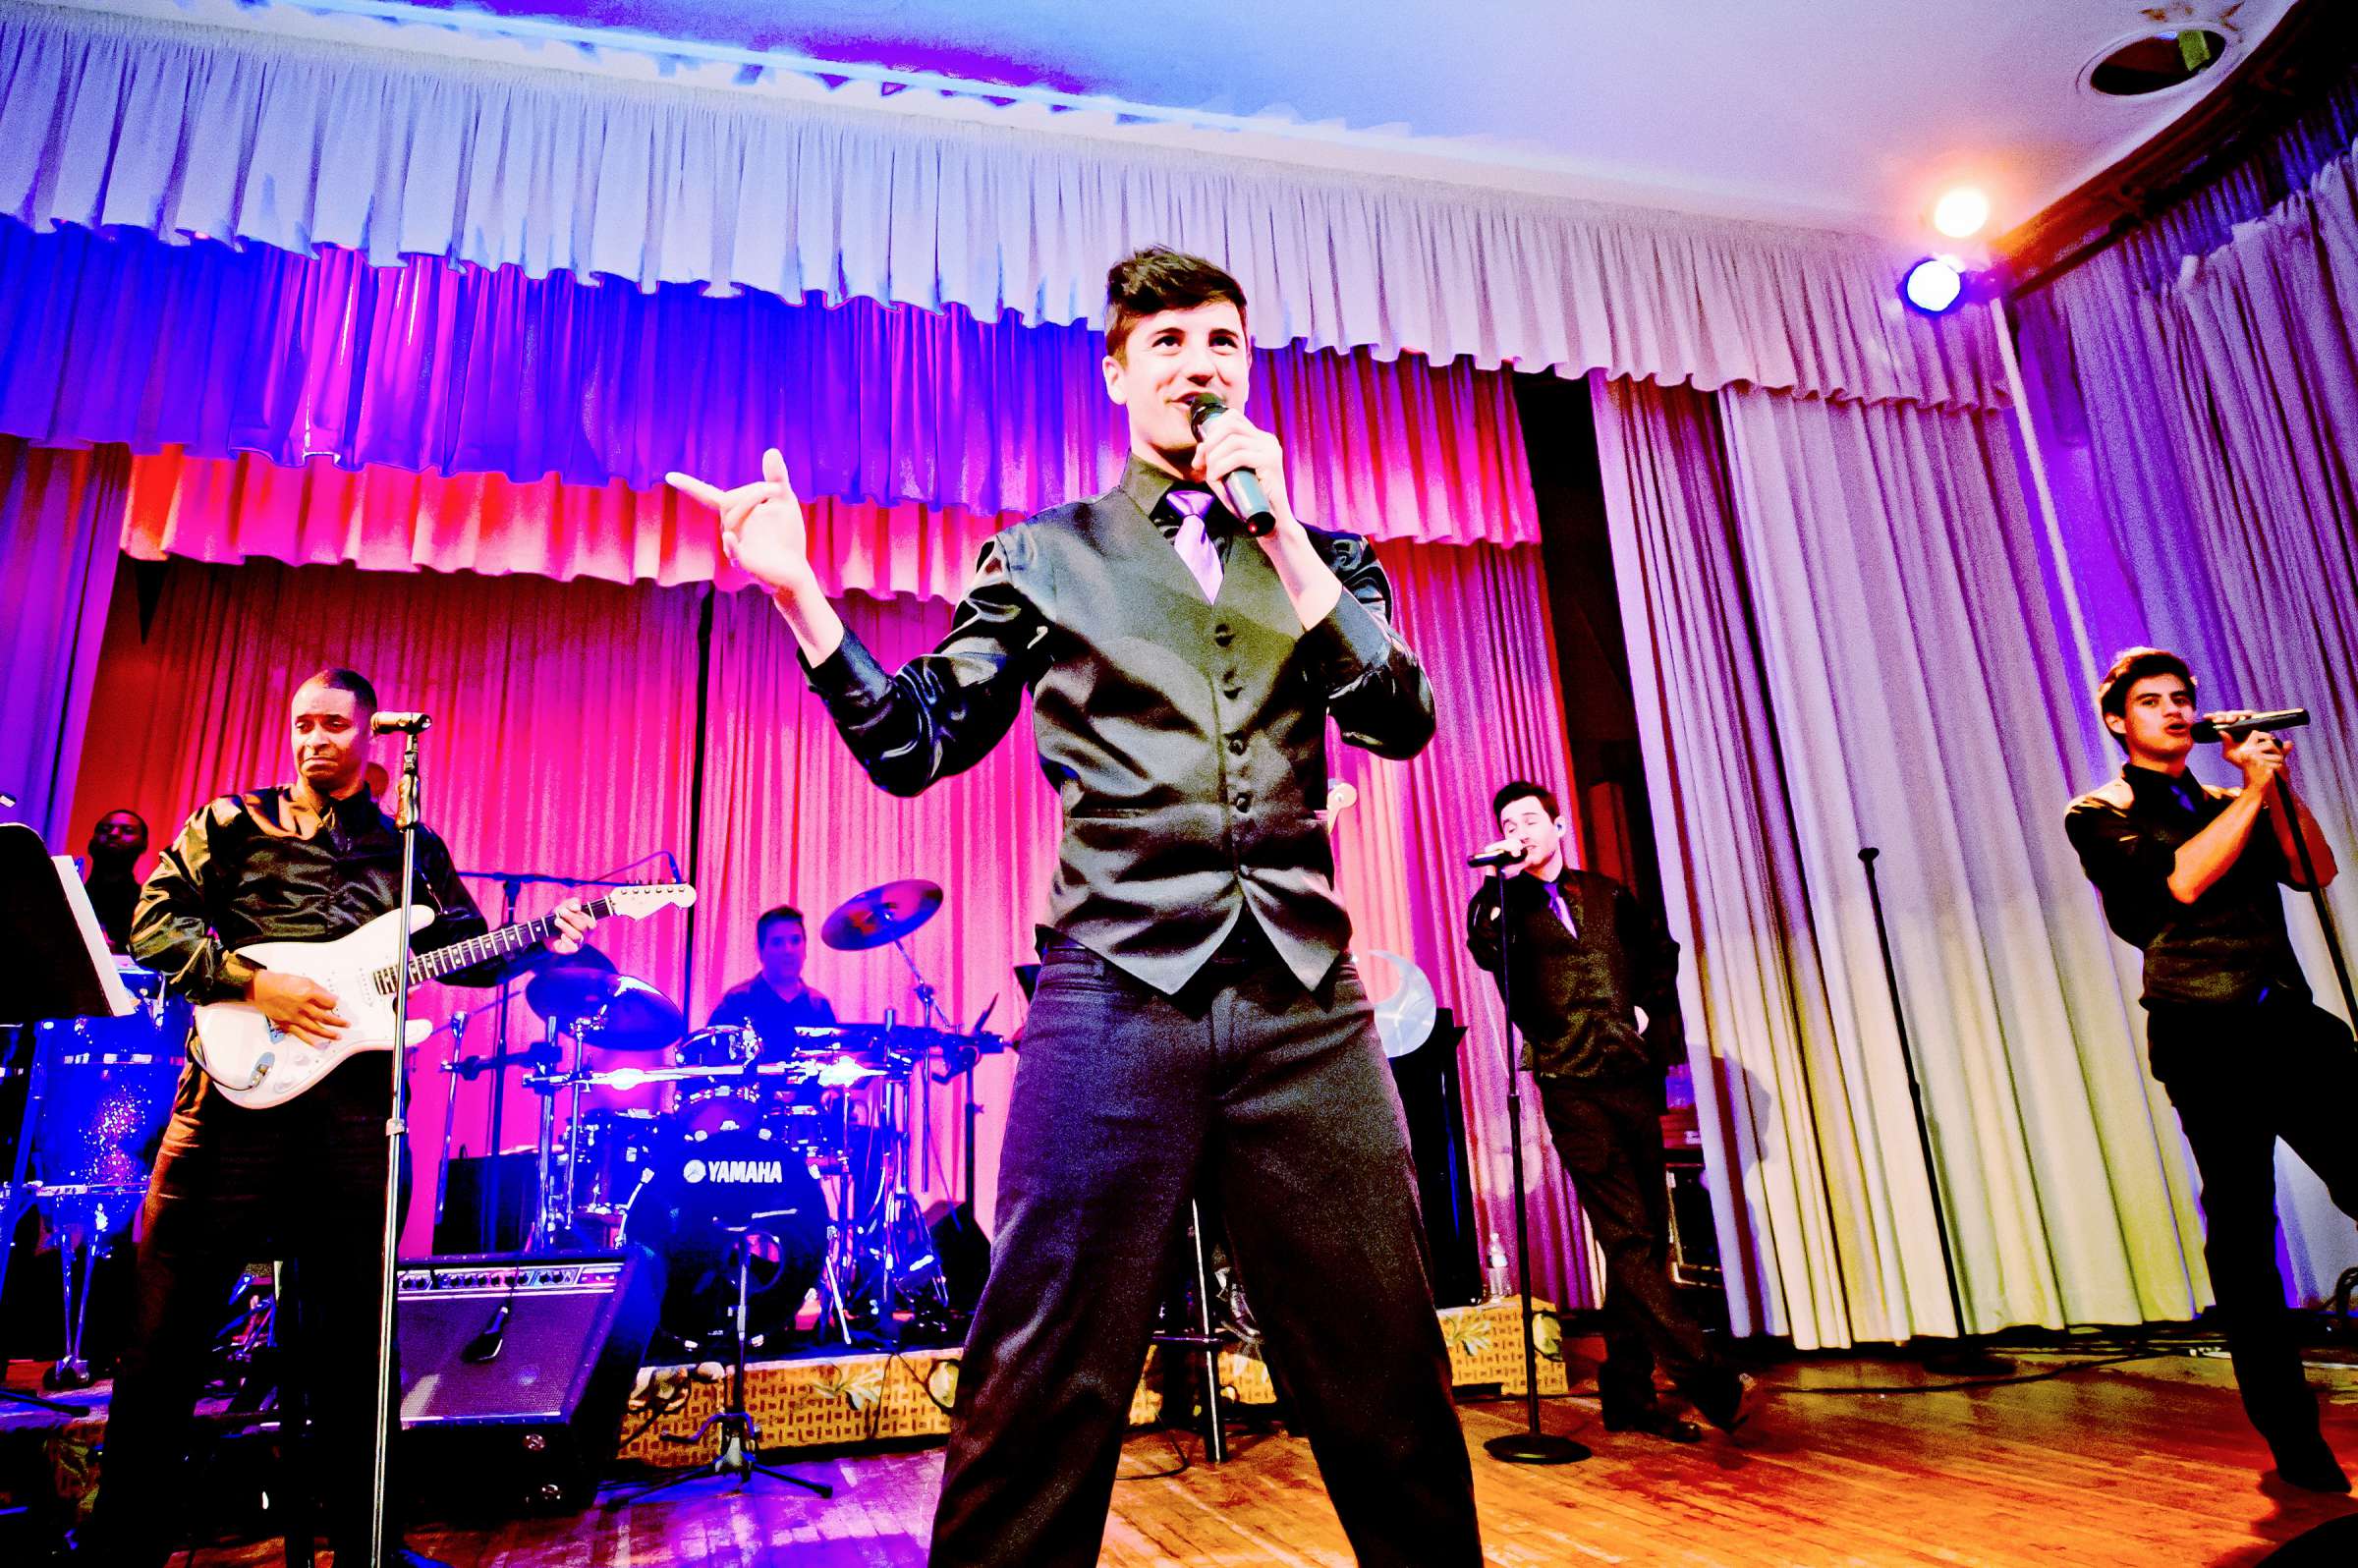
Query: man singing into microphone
[
  {"x": 2191, "y": 875},
  {"x": 1594, "y": 983},
  {"x": 1195, "y": 1019}
]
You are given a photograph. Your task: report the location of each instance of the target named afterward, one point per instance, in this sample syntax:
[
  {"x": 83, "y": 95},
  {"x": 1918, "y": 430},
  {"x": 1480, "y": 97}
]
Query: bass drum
[{"x": 704, "y": 1192}]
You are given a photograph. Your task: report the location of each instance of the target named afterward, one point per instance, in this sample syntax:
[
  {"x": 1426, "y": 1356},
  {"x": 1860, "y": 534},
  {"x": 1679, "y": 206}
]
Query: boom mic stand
[
  {"x": 1530, "y": 1446},
  {"x": 411, "y": 805},
  {"x": 2316, "y": 895},
  {"x": 1966, "y": 1357}
]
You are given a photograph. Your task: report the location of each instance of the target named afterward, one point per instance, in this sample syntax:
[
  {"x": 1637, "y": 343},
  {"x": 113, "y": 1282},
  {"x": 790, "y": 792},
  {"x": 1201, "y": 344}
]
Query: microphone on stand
[
  {"x": 1506, "y": 852},
  {"x": 2213, "y": 726},
  {"x": 1244, "y": 485},
  {"x": 399, "y": 723}
]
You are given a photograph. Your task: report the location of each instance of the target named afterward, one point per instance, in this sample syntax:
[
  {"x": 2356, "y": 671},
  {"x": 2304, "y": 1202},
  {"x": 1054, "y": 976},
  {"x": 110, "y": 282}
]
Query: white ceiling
[{"x": 1849, "y": 114}]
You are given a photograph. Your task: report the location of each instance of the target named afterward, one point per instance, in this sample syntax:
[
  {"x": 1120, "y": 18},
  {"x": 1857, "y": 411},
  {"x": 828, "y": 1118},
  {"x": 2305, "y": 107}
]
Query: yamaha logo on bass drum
[{"x": 735, "y": 1172}]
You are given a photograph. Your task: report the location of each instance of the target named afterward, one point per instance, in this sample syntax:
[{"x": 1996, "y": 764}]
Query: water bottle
[{"x": 1495, "y": 1283}]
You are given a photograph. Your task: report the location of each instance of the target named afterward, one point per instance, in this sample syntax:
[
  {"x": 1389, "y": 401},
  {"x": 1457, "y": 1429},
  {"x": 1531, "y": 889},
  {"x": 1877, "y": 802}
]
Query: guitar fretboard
[{"x": 502, "y": 943}]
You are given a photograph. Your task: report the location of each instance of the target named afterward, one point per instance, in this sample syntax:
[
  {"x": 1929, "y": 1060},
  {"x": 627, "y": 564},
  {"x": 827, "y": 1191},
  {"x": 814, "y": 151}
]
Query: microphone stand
[
  {"x": 1530, "y": 1446},
  {"x": 1966, "y": 1357},
  {"x": 489, "y": 1194},
  {"x": 411, "y": 804},
  {"x": 2316, "y": 895}
]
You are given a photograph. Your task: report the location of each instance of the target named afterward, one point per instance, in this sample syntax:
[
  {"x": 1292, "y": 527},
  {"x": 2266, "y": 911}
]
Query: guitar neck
[{"x": 502, "y": 943}]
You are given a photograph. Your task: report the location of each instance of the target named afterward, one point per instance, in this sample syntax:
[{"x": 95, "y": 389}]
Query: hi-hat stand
[{"x": 739, "y": 1453}]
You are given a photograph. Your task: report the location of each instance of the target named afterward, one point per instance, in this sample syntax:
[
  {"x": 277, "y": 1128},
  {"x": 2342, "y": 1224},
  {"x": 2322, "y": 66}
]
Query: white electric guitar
[{"x": 256, "y": 1064}]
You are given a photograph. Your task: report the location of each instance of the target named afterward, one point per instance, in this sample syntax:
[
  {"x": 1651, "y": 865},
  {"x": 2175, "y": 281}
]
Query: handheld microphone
[
  {"x": 1244, "y": 485},
  {"x": 1506, "y": 852},
  {"x": 399, "y": 723},
  {"x": 2213, "y": 726}
]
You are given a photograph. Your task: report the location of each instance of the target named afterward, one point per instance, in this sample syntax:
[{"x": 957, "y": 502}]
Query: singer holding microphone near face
[
  {"x": 1198, "y": 1020},
  {"x": 1593, "y": 981},
  {"x": 2192, "y": 877},
  {"x": 303, "y": 1182}
]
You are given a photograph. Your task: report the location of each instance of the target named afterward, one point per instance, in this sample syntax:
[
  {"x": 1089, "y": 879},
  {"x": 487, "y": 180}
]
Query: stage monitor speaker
[{"x": 514, "y": 1369}]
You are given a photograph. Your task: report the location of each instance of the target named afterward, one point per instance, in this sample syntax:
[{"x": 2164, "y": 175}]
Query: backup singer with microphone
[
  {"x": 1197, "y": 1018},
  {"x": 302, "y": 1182},
  {"x": 2191, "y": 875},
  {"x": 1594, "y": 988}
]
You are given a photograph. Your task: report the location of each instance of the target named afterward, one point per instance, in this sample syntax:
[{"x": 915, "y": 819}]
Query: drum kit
[
  {"x": 803, "y": 1146},
  {"x": 86, "y": 1104}
]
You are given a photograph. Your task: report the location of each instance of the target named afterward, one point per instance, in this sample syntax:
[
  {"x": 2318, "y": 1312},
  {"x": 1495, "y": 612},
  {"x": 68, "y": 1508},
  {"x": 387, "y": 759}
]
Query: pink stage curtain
[
  {"x": 565, "y": 740},
  {"x": 430, "y": 367},
  {"x": 389, "y": 520},
  {"x": 564, "y": 717}
]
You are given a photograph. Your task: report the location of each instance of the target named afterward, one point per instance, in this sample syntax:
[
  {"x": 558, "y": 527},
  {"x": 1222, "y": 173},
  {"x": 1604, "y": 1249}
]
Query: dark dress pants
[
  {"x": 2241, "y": 1078},
  {"x": 1124, "y": 1098},
  {"x": 1609, "y": 1139},
  {"x": 302, "y": 1183}
]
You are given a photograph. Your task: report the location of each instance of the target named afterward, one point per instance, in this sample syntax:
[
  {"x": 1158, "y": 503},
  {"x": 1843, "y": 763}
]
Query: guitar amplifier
[{"x": 515, "y": 1368}]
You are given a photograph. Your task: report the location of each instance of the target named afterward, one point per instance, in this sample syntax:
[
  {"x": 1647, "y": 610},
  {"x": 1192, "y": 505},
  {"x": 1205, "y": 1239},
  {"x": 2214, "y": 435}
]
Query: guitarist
[{"x": 300, "y": 1181}]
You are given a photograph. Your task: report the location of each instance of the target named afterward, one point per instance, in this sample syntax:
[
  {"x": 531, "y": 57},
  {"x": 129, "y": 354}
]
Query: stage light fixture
[
  {"x": 1934, "y": 285},
  {"x": 1962, "y": 212}
]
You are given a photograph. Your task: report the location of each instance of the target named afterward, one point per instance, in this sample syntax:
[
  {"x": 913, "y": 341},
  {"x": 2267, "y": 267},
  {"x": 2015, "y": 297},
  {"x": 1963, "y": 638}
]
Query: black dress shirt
[
  {"x": 238, "y": 874},
  {"x": 1575, "y": 988},
  {"x": 771, "y": 1016},
  {"x": 2227, "y": 946},
  {"x": 1185, "y": 739}
]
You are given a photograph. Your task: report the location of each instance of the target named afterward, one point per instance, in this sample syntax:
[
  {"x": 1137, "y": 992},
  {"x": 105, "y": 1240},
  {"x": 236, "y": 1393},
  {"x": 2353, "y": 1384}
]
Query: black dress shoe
[
  {"x": 1736, "y": 1406},
  {"x": 2312, "y": 1467},
  {"x": 1657, "y": 1424}
]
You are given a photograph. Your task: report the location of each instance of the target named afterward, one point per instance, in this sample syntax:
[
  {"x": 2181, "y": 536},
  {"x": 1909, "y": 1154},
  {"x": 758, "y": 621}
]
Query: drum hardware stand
[
  {"x": 740, "y": 1434},
  {"x": 1206, "y": 1341}
]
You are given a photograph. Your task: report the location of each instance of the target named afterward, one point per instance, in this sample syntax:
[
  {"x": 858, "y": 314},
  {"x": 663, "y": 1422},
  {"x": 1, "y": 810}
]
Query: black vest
[{"x": 1186, "y": 740}]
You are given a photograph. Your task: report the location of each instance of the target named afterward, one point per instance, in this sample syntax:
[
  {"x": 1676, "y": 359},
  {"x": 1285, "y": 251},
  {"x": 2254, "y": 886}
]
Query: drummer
[{"x": 777, "y": 1001}]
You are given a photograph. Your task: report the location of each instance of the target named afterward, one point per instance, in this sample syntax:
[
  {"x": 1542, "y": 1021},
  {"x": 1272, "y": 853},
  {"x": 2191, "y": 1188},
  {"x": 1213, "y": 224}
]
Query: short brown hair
[
  {"x": 782, "y": 915},
  {"x": 2129, "y": 666},
  {"x": 1159, "y": 278}
]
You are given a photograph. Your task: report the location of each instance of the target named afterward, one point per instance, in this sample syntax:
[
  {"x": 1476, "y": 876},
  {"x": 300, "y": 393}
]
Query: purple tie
[
  {"x": 1555, "y": 902},
  {"x": 1192, "y": 542}
]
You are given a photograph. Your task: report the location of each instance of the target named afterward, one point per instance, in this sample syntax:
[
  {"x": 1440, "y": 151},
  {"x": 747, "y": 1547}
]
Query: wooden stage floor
[{"x": 2145, "y": 1463}]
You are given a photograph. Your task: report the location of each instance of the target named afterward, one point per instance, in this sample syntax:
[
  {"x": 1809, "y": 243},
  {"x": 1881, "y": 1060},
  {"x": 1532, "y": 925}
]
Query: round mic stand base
[{"x": 1535, "y": 1448}]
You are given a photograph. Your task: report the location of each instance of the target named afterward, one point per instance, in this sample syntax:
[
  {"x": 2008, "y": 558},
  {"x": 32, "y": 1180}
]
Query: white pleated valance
[{"x": 184, "y": 130}]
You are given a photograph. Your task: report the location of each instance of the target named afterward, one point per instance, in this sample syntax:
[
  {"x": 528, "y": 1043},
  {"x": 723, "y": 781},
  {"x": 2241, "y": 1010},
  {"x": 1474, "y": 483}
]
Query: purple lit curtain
[
  {"x": 1838, "y": 641},
  {"x": 451, "y": 370},
  {"x": 2202, "y": 414},
  {"x": 60, "y": 513}
]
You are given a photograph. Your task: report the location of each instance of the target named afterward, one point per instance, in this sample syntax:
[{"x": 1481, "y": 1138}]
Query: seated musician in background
[
  {"x": 777, "y": 1002},
  {"x": 2192, "y": 877},
  {"x": 110, "y": 872},
  {"x": 1595, "y": 991},
  {"x": 304, "y": 1181}
]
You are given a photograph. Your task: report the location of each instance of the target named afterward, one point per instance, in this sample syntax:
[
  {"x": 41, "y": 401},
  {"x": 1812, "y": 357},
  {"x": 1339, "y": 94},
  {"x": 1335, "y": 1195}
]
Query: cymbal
[
  {"x": 565, "y": 990},
  {"x": 880, "y": 915},
  {"x": 615, "y": 1012}
]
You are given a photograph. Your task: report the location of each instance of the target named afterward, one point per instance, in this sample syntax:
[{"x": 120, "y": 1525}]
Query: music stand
[{"x": 65, "y": 971}]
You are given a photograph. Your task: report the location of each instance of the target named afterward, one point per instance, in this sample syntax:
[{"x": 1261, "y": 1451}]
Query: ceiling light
[
  {"x": 1962, "y": 212},
  {"x": 1934, "y": 285}
]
